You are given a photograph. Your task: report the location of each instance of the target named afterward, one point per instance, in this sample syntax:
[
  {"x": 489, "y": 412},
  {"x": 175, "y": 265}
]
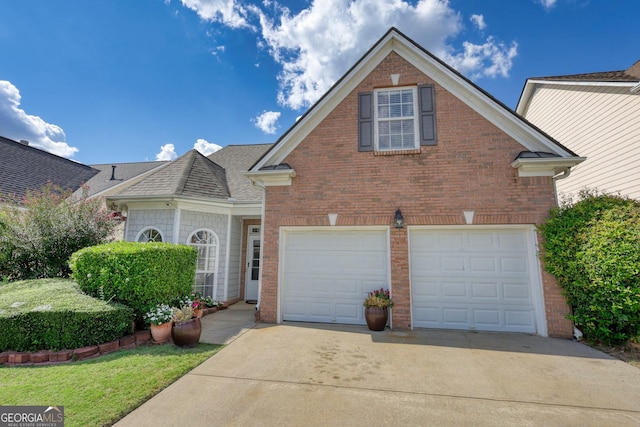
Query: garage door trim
[
  {"x": 302, "y": 229},
  {"x": 535, "y": 270}
]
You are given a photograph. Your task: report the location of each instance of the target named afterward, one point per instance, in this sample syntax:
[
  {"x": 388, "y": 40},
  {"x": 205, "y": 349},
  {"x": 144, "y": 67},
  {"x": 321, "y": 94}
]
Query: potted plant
[
  {"x": 159, "y": 319},
  {"x": 198, "y": 304},
  {"x": 376, "y": 309},
  {"x": 186, "y": 327}
]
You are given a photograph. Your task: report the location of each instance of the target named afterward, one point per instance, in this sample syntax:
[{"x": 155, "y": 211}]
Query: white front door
[{"x": 252, "y": 277}]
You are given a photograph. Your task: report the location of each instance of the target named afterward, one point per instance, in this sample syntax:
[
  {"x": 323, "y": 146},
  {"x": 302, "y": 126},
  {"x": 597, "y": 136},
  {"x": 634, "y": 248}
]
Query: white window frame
[
  {"x": 211, "y": 262},
  {"x": 147, "y": 229},
  {"x": 415, "y": 118}
]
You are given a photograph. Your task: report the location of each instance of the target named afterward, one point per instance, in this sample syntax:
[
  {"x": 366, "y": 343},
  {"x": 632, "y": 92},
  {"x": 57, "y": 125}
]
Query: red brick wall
[{"x": 468, "y": 169}]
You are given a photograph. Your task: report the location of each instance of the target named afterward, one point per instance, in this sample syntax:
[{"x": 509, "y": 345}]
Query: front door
[{"x": 253, "y": 265}]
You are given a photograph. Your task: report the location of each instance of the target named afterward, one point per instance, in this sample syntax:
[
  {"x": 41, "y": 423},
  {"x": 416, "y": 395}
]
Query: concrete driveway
[{"x": 328, "y": 375}]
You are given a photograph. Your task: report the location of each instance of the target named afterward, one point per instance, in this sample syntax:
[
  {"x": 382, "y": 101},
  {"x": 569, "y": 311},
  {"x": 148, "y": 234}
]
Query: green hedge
[
  {"x": 53, "y": 314},
  {"x": 139, "y": 275},
  {"x": 592, "y": 247}
]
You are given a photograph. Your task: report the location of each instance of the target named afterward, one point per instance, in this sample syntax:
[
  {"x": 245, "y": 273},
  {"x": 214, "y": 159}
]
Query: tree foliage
[
  {"x": 592, "y": 247},
  {"x": 39, "y": 233}
]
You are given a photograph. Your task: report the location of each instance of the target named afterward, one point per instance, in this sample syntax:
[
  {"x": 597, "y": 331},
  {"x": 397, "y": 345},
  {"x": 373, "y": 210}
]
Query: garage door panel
[
  {"x": 475, "y": 279},
  {"x": 453, "y": 290},
  {"x": 485, "y": 291},
  {"x": 483, "y": 264},
  {"x": 327, "y": 274}
]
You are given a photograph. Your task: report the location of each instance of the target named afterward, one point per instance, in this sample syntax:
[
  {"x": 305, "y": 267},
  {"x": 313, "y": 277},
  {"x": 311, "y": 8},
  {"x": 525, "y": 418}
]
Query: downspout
[{"x": 562, "y": 175}]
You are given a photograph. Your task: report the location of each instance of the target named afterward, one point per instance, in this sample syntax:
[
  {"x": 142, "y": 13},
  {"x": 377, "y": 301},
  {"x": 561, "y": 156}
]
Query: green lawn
[{"x": 100, "y": 391}]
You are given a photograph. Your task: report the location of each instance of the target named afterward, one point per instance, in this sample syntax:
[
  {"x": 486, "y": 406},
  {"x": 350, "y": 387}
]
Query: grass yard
[{"x": 100, "y": 391}]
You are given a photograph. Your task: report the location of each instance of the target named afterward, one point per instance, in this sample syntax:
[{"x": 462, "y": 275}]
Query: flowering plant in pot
[
  {"x": 160, "y": 317},
  {"x": 379, "y": 298},
  {"x": 376, "y": 309},
  {"x": 186, "y": 328}
]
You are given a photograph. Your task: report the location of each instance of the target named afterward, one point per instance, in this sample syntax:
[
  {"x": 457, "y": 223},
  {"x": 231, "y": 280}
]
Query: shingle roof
[
  {"x": 631, "y": 74},
  {"x": 236, "y": 160},
  {"x": 190, "y": 175},
  {"x": 123, "y": 172},
  {"x": 23, "y": 168}
]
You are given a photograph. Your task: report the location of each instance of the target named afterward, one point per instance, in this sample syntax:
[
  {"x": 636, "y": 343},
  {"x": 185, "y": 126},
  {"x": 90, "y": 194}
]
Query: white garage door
[
  {"x": 473, "y": 279},
  {"x": 327, "y": 274}
]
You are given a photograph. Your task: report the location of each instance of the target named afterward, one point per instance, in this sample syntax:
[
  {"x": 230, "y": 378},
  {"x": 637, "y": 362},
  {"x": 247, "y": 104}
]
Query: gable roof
[
  {"x": 191, "y": 175},
  {"x": 23, "y": 168},
  {"x": 236, "y": 160},
  {"x": 622, "y": 78},
  {"x": 532, "y": 138}
]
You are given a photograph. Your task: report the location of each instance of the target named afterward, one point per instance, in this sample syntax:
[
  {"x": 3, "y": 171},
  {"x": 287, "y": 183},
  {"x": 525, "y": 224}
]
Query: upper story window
[
  {"x": 149, "y": 234},
  {"x": 396, "y": 125},
  {"x": 396, "y": 119}
]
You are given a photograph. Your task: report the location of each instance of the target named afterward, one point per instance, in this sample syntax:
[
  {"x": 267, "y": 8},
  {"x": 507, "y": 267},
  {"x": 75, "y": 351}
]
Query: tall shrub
[
  {"x": 570, "y": 234},
  {"x": 39, "y": 233},
  {"x": 611, "y": 259},
  {"x": 139, "y": 275}
]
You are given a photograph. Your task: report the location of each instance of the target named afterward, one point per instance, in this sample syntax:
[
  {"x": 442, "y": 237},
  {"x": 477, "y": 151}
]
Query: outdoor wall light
[{"x": 399, "y": 221}]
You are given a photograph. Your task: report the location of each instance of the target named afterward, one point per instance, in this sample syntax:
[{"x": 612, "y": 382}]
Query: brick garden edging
[{"x": 46, "y": 357}]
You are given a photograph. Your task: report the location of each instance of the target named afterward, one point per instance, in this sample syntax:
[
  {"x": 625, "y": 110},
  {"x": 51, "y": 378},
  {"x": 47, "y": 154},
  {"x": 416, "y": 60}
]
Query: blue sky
[{"x": 107, "y": 81}]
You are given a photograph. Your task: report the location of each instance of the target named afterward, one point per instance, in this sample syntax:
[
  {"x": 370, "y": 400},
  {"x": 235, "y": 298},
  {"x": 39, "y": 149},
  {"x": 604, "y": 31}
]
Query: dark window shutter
[
  {"x": 365, "y": 121},
  {"x": 427, "y": 115}
]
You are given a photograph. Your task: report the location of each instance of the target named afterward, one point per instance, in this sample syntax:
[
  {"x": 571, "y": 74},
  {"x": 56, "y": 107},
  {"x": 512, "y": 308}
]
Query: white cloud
[
  {"x": 205, "y": 147},
  {"x": 16, "y": 124},
  {"x": 478, "y": 21},
  {"x": 547, "y": 4},
  {"x": 228, "y": 12},
  {"x": 167, "y": 152},
  {"x": 267, "y": 121},
  {"x": 316, "y": 46},
  {"x": 491, "y": 59}
]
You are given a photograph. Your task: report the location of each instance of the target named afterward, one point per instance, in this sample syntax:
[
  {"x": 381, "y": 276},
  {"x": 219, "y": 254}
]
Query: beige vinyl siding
[{"x": 598, "y": 122}]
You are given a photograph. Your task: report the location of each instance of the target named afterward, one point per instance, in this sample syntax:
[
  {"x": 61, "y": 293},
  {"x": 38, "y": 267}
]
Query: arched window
[
  {"x": 206, "y": 242},
  {"x": 149, "y": 234}
]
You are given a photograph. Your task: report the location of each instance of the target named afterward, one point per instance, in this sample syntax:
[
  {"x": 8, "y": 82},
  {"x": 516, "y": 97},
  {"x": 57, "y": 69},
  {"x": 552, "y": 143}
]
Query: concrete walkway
[
  {"x": 326, "y": 375},
  {"x": 224, "y": 326}
]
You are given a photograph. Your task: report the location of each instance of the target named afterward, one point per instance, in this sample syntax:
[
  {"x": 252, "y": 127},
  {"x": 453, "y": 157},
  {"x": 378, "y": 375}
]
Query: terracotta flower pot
[
  {"x": 161, "y": 333},
  {"x": 376, "y": 317},
  {"x": 187, "y": 334},
  {"x": 198, "y": 312}
]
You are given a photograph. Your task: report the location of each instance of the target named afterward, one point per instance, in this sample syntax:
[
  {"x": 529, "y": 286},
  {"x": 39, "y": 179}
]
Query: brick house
[{"x": 402, "y": 136}]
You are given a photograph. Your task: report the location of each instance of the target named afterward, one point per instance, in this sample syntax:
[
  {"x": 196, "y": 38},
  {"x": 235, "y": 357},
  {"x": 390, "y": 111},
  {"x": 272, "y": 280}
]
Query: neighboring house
[
  {"x": 114, "y": 177},
  {"x": 597, "y": 115},
  {"x": 207, "y": 203},
  {"x": 404, "y": 136},
  {"x": 24, "y": 168}
]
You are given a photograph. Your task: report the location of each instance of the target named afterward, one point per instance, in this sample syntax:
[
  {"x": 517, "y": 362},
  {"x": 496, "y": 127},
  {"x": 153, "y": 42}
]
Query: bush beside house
[
  {"x": 593, "y": 249},
  {"x": 139, "y": 275},
  {"x": 53, "y": 314},
  {"x": 39, "y": 233}
]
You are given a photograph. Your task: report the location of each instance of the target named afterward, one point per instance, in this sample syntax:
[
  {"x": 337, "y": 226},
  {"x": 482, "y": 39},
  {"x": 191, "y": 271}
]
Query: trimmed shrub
[
  {"x": 581, "y": 253},
  {"x": 52, "y": 314},
  {"x": 611, "y": 260},
  {"x": 139, "y": 275}
]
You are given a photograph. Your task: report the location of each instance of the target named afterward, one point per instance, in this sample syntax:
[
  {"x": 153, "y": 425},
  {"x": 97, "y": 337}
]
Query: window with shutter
[{"x": 396, "y": 118}]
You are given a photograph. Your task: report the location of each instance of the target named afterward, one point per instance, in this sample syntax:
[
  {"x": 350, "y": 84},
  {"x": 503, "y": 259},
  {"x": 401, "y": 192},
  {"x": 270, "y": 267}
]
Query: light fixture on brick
[{"x": 398, "y": 222}]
